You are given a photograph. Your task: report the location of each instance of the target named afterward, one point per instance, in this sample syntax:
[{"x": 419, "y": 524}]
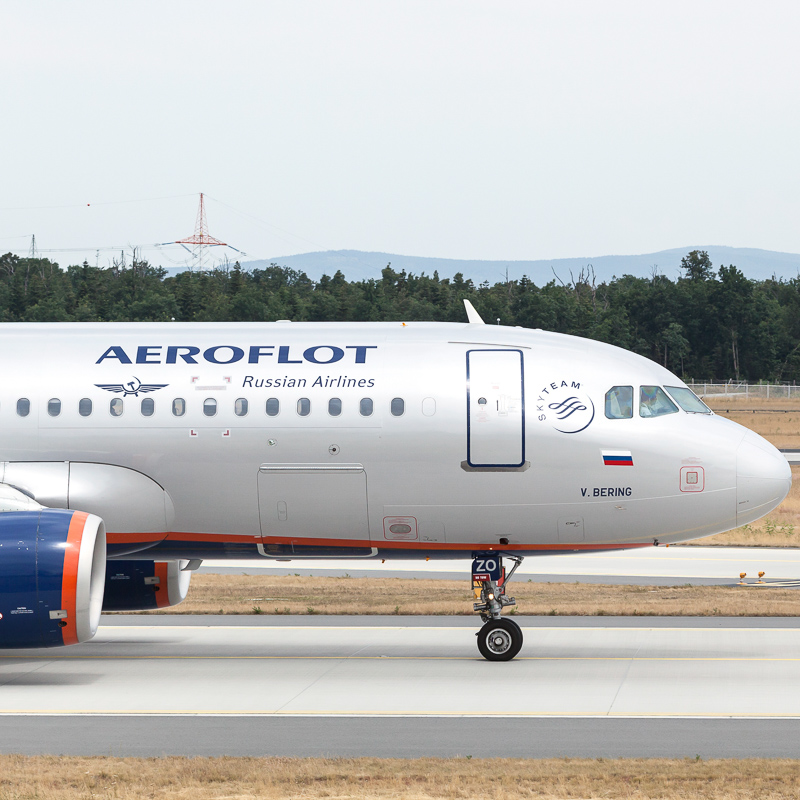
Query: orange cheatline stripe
[
  {"x": 162, "y": 573},
  {"x": 233, "y": 538},
  {"x": 69, "y": 580}
]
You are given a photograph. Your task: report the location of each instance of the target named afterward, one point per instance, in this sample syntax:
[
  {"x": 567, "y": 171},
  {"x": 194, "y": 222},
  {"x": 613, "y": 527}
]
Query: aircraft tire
[
  {"x": 499, "y": 640},
  {"x": 515, "y": 624}
]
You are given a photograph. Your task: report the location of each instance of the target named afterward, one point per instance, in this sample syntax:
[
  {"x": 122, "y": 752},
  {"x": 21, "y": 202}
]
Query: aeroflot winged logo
[
  {"x": 231, "y": 354},
  {"x": 131, "y": 387}
]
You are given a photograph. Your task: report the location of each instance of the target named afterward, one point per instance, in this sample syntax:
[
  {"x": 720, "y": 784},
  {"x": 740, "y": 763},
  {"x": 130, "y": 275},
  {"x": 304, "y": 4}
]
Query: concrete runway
[
  {"x": 650, "y": 565},
  {"x": 409, "y": 687}
]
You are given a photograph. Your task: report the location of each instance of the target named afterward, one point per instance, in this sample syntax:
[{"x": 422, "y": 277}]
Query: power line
[
  {"x": 200, "y": 244},
  {"x": 263, "y": 222},
  {"x": 93, "y": 249},
  {"x": 101, "y": 203}
]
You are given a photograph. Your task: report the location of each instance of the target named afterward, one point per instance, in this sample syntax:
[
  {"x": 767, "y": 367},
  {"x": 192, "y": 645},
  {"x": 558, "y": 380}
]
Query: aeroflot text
[{"x": 230, "y": 354}]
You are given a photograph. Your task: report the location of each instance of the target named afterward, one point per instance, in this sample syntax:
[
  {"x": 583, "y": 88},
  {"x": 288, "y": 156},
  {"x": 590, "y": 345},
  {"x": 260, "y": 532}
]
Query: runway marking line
[
  {"x": 275, "y": 628},
  {"x": 392, "y": 714},
  {"x": 391, "y": 658}
]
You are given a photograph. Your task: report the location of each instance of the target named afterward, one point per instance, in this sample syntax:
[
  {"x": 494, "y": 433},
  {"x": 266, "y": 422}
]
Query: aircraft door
[
  {"x": 313, "y": 510},
  {"x": 495, "y": 409}
]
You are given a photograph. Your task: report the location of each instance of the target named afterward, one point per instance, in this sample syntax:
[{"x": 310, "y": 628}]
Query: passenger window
[
  {"x": 303, "y": 406},
  {"x": 210, "y": 407},
  {"x": 115, "y": 407},
  {"x": 178, "y": 407},
  {"x": 653, "y": 402},
  {"x": 365, "y": 407},
  {"x": 240, "y": 407},
  {"x": 398, "y": 407},
  {"x": 23, "y": 407},
  {"x": 334, "y": 406},
  {"x": 619, "y": 402},
  {"x": 273, "y": 407},
  {"x": 54, "y": 407},
  {"x": 688, "y": 400},
  {"x": 148, "y": 407},
  {"x": 85, "y": 407}
]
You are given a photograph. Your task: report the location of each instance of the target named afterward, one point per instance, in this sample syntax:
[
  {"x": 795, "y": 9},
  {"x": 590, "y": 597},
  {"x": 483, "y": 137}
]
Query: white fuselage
[{"x": 451, "y": 439}]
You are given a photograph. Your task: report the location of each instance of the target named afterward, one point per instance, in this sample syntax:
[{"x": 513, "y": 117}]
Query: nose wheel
[{"x": 500, "y": 638}]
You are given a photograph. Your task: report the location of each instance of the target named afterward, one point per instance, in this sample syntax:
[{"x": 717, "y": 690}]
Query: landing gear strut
[{"x": 500, "y": 638}]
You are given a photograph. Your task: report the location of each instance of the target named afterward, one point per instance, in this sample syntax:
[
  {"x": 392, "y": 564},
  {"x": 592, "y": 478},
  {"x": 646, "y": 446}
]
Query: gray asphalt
[
  {"x": 400, "y": 686},
  {"x": 415, "y": 737}
]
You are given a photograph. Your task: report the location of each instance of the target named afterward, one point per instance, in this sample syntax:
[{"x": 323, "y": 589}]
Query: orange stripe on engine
[
  {"x": 162, "y": 573},
  {"x": 69, "y": 580}
]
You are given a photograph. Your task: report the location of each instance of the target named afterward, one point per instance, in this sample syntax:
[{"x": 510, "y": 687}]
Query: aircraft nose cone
[{"x": 763, "y": 478}]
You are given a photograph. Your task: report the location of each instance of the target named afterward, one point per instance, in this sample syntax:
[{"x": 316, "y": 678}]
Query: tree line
[{"x": 708, "y": 324}]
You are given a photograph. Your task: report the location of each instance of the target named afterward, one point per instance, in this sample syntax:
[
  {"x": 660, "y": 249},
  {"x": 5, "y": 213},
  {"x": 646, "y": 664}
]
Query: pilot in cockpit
[{"x": 653, "y": 402}]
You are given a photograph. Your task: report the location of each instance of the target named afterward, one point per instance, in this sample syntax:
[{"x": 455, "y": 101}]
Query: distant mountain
[{"x": 357, "y": 265}]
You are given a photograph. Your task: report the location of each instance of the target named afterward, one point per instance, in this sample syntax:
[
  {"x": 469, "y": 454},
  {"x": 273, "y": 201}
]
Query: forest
[{"x": 709, "y": 324}]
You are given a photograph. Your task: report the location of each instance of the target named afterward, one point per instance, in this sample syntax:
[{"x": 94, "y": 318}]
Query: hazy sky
[{"x": 499, "y": 130}]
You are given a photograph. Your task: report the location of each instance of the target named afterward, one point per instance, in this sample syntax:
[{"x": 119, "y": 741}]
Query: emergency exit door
[{"x": 495, "y": 409}]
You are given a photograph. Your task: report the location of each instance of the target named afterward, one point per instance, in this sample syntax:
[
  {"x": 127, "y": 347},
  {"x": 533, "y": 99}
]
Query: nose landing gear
[{"x": 500, "y": 638}]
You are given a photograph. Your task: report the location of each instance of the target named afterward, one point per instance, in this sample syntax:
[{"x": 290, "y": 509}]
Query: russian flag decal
[{"x": 617, "y": 458}]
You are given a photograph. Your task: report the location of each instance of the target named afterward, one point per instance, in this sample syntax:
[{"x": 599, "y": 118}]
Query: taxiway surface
[
  {"x": 409, "y": 687},
  {"x": 648, "y": 565}
]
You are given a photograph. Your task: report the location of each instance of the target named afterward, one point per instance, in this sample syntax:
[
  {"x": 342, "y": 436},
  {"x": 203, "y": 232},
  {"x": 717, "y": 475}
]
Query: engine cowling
[
  {"x": 144, "y": 585},
  {"x": 52, "y": 570}
]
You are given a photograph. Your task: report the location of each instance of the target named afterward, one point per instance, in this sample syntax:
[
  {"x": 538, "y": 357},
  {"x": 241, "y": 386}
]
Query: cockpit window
[
  {"x": 619, "y": 402},
  {"x": 688, "y": 400},
  {"x": 654, "y": 402}
]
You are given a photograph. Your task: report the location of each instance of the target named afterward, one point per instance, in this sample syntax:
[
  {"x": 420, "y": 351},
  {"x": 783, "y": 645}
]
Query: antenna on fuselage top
[{"x": 473, "y": 317}]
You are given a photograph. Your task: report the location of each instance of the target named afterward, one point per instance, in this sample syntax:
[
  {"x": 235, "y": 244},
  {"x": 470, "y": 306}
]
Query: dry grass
[
  {"x": 54, "y": 778},
  {"x": 295, "y": 594},
  {"x": 778, "y": 421}
]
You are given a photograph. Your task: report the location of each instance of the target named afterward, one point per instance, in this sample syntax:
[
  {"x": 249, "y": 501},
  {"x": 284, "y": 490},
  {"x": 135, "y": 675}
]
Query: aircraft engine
[
  {"x": 144, "y": 585},
  {"x": 52, "y": 566}
]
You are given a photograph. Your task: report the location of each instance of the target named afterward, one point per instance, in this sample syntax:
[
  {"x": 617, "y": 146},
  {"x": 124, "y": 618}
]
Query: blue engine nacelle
[
  {"x": 52, "y": 570},
  {"x": 144, "y": 585}
]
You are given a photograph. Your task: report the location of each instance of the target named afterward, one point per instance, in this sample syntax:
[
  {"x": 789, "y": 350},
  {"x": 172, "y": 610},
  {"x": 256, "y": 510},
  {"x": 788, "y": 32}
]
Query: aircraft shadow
[{"x": 11, "y": 680}]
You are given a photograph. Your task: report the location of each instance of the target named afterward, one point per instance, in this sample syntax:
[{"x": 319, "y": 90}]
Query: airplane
[{"x": 129, "y": 453}]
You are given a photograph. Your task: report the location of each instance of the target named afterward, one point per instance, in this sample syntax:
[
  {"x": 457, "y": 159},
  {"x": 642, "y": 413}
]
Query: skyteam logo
[
  {"x": 565, "y": 406},
  {"x": 133, "y": 387}
]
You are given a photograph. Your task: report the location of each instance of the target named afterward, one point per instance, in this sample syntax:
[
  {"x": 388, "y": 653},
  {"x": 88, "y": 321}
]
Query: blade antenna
[{"x": 473, "y": 317}]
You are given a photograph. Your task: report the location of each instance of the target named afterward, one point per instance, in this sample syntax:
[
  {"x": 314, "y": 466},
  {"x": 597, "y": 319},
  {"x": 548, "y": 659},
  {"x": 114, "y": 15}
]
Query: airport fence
[{"x": 758, "y": 391}]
